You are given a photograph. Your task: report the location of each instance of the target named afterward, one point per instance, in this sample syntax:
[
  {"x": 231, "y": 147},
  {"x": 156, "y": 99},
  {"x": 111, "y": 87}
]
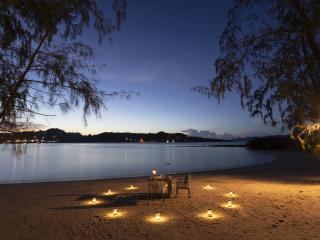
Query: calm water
[{"x": 56, "y": 162}]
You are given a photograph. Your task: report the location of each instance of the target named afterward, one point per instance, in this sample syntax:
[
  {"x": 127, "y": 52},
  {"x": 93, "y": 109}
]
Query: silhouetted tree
[
  {"x": 270, "y": 55},
  {"x": 42, "y": 60}
]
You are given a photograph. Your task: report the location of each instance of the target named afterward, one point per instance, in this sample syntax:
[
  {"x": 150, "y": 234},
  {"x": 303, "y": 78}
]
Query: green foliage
[
  {"x": 42, "y": 60},
  {"x": 270, "y": 55}
]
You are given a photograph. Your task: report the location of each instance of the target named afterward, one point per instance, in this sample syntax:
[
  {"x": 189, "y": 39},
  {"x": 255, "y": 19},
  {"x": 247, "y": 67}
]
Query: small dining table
[{"x": 160, "y": 184}]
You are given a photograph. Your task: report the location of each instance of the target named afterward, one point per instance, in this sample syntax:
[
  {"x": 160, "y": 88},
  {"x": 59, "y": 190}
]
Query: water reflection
[
  {"x": 17, "y": 150},
  {"x": 52, "y": 162}
]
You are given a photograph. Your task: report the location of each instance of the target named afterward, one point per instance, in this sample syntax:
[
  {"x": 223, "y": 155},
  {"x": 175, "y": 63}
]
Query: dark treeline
[
  {"x": 272, "y": 143},
  {"x": 58, "y": 135}
]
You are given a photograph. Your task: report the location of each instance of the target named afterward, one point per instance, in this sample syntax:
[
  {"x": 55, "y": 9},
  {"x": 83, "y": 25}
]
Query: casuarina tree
[
  {"x": 270, "y": 55},
  {"x": 43, "y": 61}
]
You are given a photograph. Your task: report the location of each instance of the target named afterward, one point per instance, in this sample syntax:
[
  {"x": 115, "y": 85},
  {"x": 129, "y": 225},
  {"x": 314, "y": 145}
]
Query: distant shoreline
[
  {"x": 210, "y": 145},
  {"x": 60, "y": 136},
  {"x": 219, "y": 145}
]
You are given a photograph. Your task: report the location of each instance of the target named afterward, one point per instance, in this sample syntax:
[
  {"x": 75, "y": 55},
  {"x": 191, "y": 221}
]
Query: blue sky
[{"x": 163, "y": 50}]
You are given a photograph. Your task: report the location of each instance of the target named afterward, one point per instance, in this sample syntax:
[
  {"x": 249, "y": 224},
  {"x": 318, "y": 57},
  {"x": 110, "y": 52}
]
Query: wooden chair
[{"x": 183, "y": 183}]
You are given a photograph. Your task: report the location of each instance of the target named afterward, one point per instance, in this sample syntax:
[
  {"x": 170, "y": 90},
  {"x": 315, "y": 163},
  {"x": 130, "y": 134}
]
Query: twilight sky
[{"x": 163, "y": 50}]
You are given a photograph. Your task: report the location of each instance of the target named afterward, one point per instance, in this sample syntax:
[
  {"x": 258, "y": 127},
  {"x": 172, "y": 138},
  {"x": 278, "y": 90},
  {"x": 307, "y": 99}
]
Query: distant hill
[{"x": 60, "y": 136}]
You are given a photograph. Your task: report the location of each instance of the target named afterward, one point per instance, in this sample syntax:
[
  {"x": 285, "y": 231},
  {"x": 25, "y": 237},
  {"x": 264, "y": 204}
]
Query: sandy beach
[{"x": 278, "y": 200}]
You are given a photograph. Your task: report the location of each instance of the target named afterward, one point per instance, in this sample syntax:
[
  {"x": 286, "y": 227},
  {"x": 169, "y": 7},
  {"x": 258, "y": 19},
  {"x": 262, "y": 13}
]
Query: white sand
[{"x": 280, "y": 200}]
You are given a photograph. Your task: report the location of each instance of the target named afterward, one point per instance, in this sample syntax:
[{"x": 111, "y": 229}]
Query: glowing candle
[
  {"x": 157, "y": 217},
  {"x": 154, "y": 172},
  {"x": 209, "y": 213},
  {"x": 230, "y": 194},
  {"x": 131, "y": 187},
  {"x": 109, "y": 192},
  {"x": 208, "y": 187},
  {"x": 115, "y": 212},
  {"x": 229, "y": 204},
  {"x": 94, "y": 200}
]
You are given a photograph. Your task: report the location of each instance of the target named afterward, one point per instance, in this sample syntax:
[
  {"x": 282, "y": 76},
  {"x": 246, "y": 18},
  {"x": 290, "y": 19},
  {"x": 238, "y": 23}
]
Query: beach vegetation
[
  {"x": 44, "y": 62},
  {"x": 270, "y": 55}
]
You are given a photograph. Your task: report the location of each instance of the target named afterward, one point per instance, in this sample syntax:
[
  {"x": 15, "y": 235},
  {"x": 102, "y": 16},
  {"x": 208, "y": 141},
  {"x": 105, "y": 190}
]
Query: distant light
[
  {"x": 229, "y": 205},
  {"x": 167, "y": 141},
  {"x": 172, "y": 141},
  {"x": 209, "y": 213},
  {"x": 94, "y": 200},
  {"x": 154, "y": 172}
]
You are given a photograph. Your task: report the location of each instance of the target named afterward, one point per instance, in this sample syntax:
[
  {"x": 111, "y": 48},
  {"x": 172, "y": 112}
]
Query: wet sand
[{"x": 278, "y": 200}]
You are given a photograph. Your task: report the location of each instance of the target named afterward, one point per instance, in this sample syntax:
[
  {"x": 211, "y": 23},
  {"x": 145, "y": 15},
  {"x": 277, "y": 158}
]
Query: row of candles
[{"x": 157, "y": 217}]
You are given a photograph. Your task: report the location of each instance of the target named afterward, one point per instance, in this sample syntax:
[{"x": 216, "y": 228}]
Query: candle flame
[
  {"x": 157, "y": 217},
  {"x": 208, "y": 187},
  {"x": 209, "y": 213},
  {"x": 115, "y": 212},
  {"x": 131, "y": 187}
]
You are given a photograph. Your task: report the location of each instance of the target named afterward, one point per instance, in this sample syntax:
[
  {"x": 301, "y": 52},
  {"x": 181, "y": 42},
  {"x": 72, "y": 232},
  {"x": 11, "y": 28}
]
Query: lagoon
[{"x": 83, "y": 161}]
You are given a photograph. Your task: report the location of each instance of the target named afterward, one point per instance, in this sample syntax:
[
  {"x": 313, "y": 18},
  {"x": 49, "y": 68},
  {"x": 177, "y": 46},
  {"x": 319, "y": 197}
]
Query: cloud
[
  {"x": 208, "y": 134},
  {"x": 24, "y": 126},
  {"x": 31, "y": 126}
]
